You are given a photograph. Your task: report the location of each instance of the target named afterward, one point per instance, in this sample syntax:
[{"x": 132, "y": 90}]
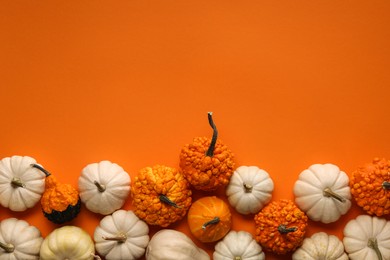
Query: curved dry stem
[
  {"x": 373, "y": 244},
  {"x": 211, "y": 222},
  {"x": 168, "y": 201},
  {"x": 329, "y": 193},
  {"x": 7, "y": 247},
  {"x": 210, "y": 151},
  {"x": 283, "y": 229},
  {"x": 99, "y": 186}
]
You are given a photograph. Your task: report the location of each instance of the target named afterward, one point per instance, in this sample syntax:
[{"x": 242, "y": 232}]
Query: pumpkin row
[{"x": 123, "y": 235}]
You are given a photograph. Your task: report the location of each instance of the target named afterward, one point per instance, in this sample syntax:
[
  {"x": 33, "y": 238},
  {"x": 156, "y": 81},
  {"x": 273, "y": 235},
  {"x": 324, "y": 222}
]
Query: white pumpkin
[
  {"x": 321, "y": 246},
  {"x": 21, "y": 184},
  {"x": 322, "y": 192},
  {"x": 104, "y": 187},
  {"x": 238, "y": 246},
  {"x": 367, "y": 237},
  {"x": 19, "y": 240},
  {"x": 121, "y": 235},
  {"x": 168, "y": 244},
  {"x": 249, "y": 189},
  {"x": 67, "y": 242}
]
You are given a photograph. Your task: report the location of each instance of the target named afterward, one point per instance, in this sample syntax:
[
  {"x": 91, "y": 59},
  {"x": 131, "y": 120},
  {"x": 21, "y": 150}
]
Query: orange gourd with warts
[
  {"x": 161, "y": 195},
  {"x": 370, "y": 187},
  {"x": 207, "y": 163},
  {"x": 209, "y": 219},
  {"x": 280, "y": 227}
]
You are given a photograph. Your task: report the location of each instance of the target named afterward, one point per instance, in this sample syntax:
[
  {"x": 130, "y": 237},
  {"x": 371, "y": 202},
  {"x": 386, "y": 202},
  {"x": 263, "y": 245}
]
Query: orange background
[{"x": 291, "y": 83}]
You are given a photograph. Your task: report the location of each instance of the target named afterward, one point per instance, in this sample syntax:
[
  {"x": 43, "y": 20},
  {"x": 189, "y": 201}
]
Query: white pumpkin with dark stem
[
  {"x": 121, "y": 235},
  {"x": 321, "y": 246},
  {"x": 21, "y": 184},
  {"x": 367, "y": 237},
  {"x": 104, "y": 187},
  {"x": 249, "y": 189},
  {"x": 238, "y": 246},
  {"x": 322, "y": 191},
  {"x": 19, "y": 240},
  {"x": 68, "y": 242}
]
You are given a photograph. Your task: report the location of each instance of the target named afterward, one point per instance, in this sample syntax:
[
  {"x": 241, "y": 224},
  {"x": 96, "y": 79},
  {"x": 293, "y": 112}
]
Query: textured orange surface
[{"x": 290, "y": 84}]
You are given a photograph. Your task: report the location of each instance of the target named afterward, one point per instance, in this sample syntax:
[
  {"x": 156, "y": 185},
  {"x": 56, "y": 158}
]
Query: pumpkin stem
[
  {"x": 17, "y": 182},
  {"x": 166, "y": 200},
  {"x": 373, "y": 244},
  {"x": 95, "y": 257},
  {"x": 41, "y": 169},
  {"x": 237, "y": 258},
  {"x": 211, "y": 222},
  {"x": 329, "y": 193},
  {"x": 210, "y": 151},
  {"x": 247, "y": 187},
  {"x": 386, "y": 185},
  {"x": 8, "y": 248},
  {"x": 121, "y": 238},
  {"x": 99, "y": 186},
  {"x": 283, "y": 229}
]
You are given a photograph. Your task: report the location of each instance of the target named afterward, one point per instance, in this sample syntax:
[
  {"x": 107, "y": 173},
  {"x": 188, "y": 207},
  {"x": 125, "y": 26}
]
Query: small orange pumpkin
[
  {"x": 209, "y": 219},
  {"x": 370, "y": 187},
  {"x": 207, "y": 163},
  {"x": 161, "y": 195},
  {"x": 280, "y": 227}
]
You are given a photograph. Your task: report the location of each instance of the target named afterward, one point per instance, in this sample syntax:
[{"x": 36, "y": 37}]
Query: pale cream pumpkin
[
  {"x": 21, "y": 184},
  {"x": 104, "y": 187},
  {"x": 249, "y": 189},
  {"x": 169, "y": 244},
  {"x": 67, "y": 242},
  {"x": 19, "y": 240},
  {"x": 238, "y": 246},
  {"x": 322, "y": 192},
  {"x": 321, "y": 246},
  {"x": 121, "y": 235}
]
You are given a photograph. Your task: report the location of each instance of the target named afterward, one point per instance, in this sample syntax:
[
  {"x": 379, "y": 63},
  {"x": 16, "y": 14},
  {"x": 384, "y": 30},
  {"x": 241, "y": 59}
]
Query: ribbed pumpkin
[
  {"x": 161, "y": 195},
  {"x": 209, "y": 219},
  {"x": 280, "y": 227},
  {"x": 370, "y": 187},
  {"x": 207, "y": 163}
]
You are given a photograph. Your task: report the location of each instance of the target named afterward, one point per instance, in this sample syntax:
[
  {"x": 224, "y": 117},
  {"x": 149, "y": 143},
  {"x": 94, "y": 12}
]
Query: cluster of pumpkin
[{"x": 162, "y": 195}]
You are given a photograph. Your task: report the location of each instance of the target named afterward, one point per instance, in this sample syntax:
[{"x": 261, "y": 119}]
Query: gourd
[
  {"x": 322, "y": 192},
  {"x": 103, "y": 187},
  {"x": 19, "y": 240},
  {"x": 249, "y": 189},
  {"x": 121, "y": 235},
  {"x": 161, "y": 195},
  {"x": 207, "y": 163},
  {"x": 367, "y": 237},
  {"x": 370, "y": 187},
  {"x": 67, "y": 242},
  {"x": 21, "y": 185},
  {"x": 209, "y": 219},
  {"x": 280, "y": 227},
  {"x": 321, "y": 246},
  {"x": 168, "y": 244},
  {"x": 60, "y": 202},
  {"x": 238, "y": 246}
]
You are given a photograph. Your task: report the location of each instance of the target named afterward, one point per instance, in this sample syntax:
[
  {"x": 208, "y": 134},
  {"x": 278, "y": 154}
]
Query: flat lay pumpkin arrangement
[{"x": 162, "y": 195}]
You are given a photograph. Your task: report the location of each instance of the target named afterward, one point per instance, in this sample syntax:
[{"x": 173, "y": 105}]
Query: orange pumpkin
[
  {"x": 370, "y": 187},
  {"x": 207, "y": 163},
  {"x": 280, "y": 227},
  {"x": 161, "y": 195},
  {"x": 60, "y": 202},
  {"x": 209, "y": 219}
]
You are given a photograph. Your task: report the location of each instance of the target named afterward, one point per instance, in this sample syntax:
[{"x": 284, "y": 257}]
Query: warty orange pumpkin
[
  {"x": 209, "y": 219},
  {"x": 370, "y": 187},
  {"x": 207, "y": 163},
  {"x": 280, "y": 227},
  {"x": 161, "y": 195}
]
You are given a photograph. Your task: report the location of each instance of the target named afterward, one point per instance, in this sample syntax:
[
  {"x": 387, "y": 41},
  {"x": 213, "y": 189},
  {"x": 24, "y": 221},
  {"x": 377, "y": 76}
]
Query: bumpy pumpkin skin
[
  {"x": 272, "y": 217},
  {"x": 206, "y": 173},
  {"x": 370, "y": 187},
  {"x": 153, "y": 182}
]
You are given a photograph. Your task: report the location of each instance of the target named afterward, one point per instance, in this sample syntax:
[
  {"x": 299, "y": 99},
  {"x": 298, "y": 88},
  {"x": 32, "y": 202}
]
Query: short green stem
[
  {"x": 373, "y": 244},
  {"x": 211, "y": 222},
  {"x": 329, "y": 193},
  {"x": 210, "y": 151},
  {"x": 283, "y": 229},
  {"x": 168, "y": 201},
  {"x": 100, "y": 187},
  {"x": 7, "y": 247},
  {"x": 247, "y": 188}
]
